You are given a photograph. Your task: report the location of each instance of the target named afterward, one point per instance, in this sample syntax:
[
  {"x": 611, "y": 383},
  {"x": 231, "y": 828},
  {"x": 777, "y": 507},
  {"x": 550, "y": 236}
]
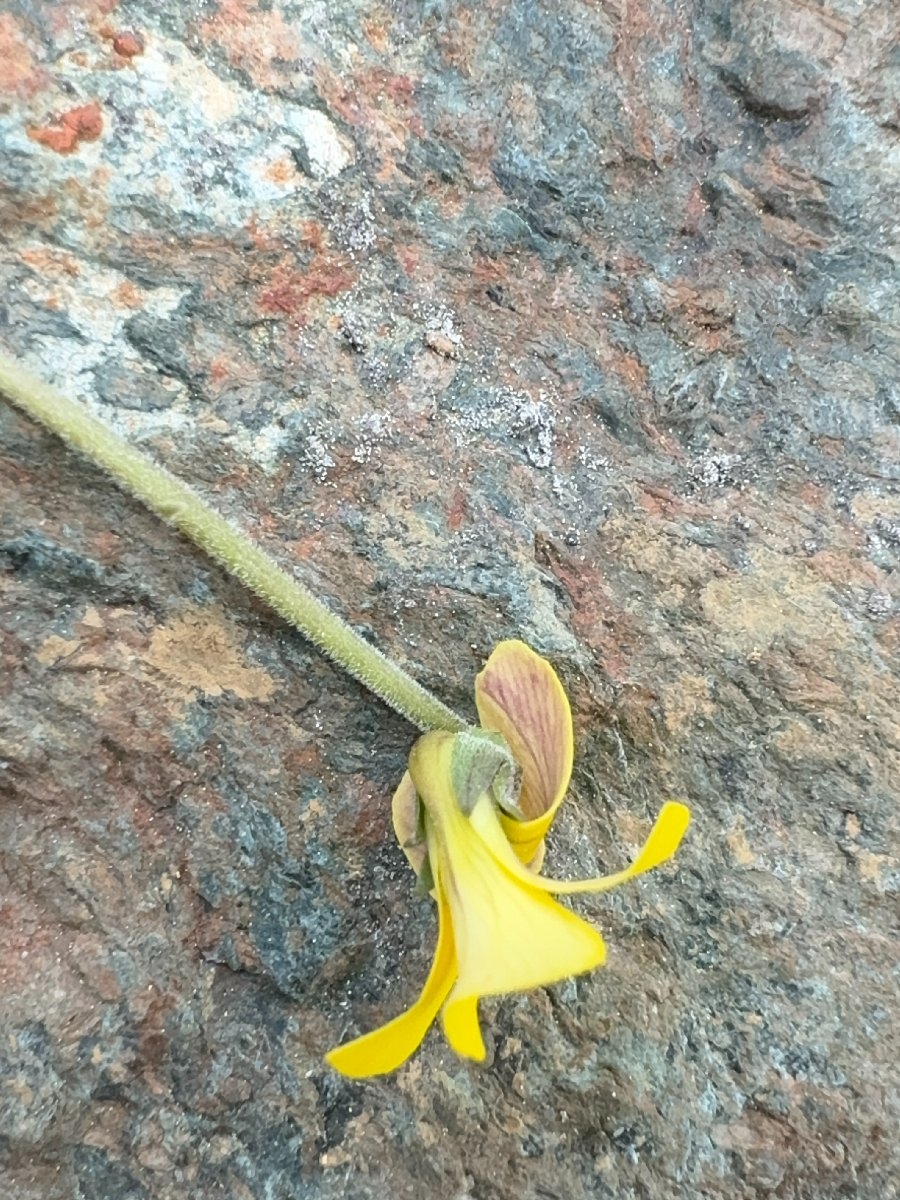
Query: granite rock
[{"x": 572, "y": 322}]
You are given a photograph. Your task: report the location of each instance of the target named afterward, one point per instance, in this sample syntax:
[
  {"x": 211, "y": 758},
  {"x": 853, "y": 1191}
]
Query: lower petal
[
  {"x": 389, "y": 1047},
  {"x": 461, "y": 1028},
  {"x": 510, "y": 935}
]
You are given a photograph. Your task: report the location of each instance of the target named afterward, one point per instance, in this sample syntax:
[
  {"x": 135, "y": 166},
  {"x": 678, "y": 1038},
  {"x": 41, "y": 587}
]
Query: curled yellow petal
[
  {"x": 389, "y": 1047},
  {"x": 661, "y": 844},
  {"x": 527, "y": 837}
]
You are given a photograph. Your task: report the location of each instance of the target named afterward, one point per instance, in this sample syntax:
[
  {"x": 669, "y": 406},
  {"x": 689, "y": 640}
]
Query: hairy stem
[{"x": 183, "y": 508}]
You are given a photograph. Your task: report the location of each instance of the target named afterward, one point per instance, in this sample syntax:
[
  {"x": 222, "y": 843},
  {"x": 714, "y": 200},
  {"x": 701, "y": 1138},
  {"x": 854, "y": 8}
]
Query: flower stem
[{"x": 183, "y": 508}]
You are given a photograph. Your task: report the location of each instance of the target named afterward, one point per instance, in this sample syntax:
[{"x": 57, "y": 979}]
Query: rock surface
[{"x": 574, "y": 322}]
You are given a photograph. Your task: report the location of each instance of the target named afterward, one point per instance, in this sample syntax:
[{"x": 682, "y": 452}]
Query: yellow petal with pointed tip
[
  {"x": 389, "y": 1047},
  {"x": 519, "y": 695},
  {"x": 662, "y": 843}
]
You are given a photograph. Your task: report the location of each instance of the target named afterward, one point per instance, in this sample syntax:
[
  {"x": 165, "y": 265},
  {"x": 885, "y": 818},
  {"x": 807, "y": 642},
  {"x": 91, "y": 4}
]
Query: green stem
[{"x": 182, "y": 507}]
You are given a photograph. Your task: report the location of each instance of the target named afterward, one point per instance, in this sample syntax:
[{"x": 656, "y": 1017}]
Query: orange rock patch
[
  {"x": 83, "y": 124},
  {"x": 128, "y": 44},
  {"x": 289, "y": 289}
]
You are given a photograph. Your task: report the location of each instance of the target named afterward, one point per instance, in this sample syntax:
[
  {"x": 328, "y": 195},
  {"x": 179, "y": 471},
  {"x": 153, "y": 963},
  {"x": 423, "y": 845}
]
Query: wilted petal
[
  {"x": 389, "y": 1047},
  {"x": 405, "y": 816},
  {"x": 519, "y": 695}
]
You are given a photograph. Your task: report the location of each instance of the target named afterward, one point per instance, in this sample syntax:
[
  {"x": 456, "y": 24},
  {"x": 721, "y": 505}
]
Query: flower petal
[
  {"x": 461, "y": 1028},
  {"x": 510, "y": 937},
  {"x": 527, "y": 837},
  {"x": 509, "y": 934},
  {"x": 519, "y": 695},
  {"x": 405, "y": 814},
  {"x": 661, "y": 844},
  {"x": 389, "y": 1047}
]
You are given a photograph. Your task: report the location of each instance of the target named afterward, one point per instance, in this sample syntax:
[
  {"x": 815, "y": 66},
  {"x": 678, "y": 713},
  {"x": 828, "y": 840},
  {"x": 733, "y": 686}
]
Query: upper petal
[{"x": 519, "y": 695}]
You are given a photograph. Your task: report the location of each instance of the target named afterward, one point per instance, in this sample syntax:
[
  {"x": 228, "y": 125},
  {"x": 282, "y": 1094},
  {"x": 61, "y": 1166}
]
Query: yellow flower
[{"x": 499, "y": 930}]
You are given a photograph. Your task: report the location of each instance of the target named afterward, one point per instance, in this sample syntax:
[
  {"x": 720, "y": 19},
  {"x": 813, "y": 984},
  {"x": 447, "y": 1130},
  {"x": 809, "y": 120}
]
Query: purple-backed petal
[{"x": 519, "y": 695}]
